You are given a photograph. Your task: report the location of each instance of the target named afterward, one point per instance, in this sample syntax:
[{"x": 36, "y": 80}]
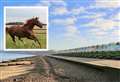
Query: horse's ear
[{"x": 36, "y": 18}]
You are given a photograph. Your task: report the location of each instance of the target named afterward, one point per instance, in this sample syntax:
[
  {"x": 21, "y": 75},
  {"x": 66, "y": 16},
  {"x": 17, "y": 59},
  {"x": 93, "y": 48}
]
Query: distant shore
[{"x": 8, "y": 56}]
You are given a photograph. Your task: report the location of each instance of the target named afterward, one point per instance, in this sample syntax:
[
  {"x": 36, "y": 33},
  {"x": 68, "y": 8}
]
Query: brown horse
[{"x": 25, "y": 31}]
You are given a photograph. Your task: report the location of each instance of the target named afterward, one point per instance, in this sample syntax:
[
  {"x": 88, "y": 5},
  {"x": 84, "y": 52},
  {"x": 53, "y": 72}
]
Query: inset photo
[{"x": 25, "y": 28}]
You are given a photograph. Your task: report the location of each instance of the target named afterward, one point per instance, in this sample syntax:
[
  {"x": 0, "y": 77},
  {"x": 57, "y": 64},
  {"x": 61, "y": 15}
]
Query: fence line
[
  {"x": 39, "y": 29},
  {"x": 40, "y": 33}
]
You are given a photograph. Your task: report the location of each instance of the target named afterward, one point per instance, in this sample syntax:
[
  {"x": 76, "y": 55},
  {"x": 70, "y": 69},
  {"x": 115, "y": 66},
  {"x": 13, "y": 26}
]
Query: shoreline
[{"x": 9, "y": 56}]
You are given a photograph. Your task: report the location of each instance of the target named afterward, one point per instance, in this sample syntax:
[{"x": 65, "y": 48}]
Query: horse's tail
[{"x": 7, "y": 29}]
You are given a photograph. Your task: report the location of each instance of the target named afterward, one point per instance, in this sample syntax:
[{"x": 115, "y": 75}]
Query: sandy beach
[
  {"x": 25, "y": 71},
  {"x": 45, "y": 69},
  {"x": 8, "y": 71}
]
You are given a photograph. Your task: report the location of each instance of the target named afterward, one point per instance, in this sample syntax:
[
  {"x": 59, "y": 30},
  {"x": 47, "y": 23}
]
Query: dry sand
[{"x": 8, "y": 71}]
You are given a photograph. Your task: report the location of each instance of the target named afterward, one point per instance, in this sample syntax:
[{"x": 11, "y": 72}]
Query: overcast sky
[{"x": 21, "y": 14}]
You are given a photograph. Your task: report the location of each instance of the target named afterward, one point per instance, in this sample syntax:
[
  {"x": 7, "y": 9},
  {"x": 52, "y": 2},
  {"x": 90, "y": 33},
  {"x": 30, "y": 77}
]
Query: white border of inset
[{"x": 4, "y": 35}]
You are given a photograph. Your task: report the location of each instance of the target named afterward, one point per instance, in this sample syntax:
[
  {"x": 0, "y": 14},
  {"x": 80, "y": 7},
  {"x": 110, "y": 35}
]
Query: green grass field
[{"x": 28, "y": 44}]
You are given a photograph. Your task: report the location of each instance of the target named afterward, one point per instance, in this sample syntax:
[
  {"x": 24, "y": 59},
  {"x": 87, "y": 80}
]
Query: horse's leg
[
  {"x": 31, "y": 38},
  {"x": 13, "y": 39},
  {"x": 21, "y": 40},
  {"x": 35, "y": 39},
  {"x": 33, "y": 44}
]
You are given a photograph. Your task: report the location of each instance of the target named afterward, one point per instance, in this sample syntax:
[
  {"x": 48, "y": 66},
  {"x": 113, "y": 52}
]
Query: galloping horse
[{"x": 25, "y": 31}]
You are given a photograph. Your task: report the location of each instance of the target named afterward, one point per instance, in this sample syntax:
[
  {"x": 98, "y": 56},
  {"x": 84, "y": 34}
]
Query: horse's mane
[{"x": 28, "y": 22}]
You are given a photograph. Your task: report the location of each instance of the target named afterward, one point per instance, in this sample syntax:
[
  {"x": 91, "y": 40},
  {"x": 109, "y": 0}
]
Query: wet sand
[
  {"x": 77, "y": 72},
  {"x": 93, "y": 61}
]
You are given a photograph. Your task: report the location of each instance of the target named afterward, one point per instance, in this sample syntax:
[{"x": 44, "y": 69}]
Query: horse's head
[{"x": 37, "y": 22}]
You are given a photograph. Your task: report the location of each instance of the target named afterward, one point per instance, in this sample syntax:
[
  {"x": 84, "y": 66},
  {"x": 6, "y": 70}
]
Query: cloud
[
  {"x": 44, "y": 3},
  {"x": 77, "y": 11},
  {"x": 59, "y": 2},
  {"x": 116, "y": 17},
  {"x": 97, "y": 32},
  {"x": 107, "y": 3},
  {"x": 116, "y": 32},
  {"x": 93, "y": 15},
  {"x": 69, "y": 25},
  {"x": 60, "y": 11},
  {"x": 72, "y": 31},
  {"x": 64, "y": 22},
  {"x": 58, "y": 7},
  {"x": 63, "y": 10},
  {"x": 103, "y": 24},
  {"x": 51, "y": 3}
]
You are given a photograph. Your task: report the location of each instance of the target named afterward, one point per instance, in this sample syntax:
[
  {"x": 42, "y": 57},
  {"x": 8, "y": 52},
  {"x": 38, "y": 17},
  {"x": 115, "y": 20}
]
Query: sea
[{"x": 9, "y": 56}]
